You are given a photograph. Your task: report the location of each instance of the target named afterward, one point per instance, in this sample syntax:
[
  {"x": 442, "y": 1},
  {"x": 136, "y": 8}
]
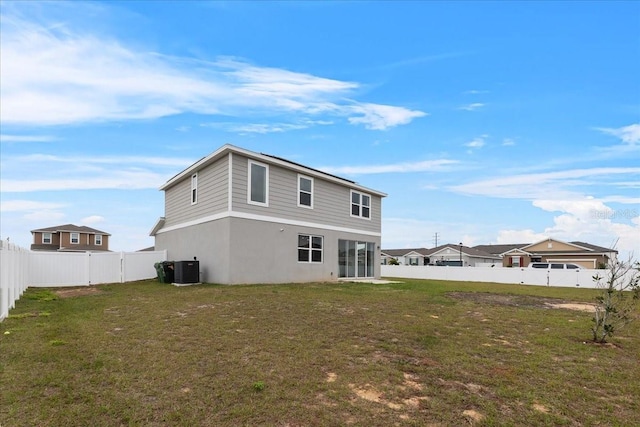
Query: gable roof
[
  {"x": 580, "y": 247},
  {"x": 500, "y": 249},
  {"x": 471, "y": 252},
  {"x": 70, "y": 228},
  {"x": 594, "y": 247},
  {"x": 266, "y": 158},
  {"x": 403, "y": 252}
]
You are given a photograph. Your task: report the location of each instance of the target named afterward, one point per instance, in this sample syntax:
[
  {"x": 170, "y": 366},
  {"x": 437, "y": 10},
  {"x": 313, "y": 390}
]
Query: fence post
[{"x": 122, "y": 267}]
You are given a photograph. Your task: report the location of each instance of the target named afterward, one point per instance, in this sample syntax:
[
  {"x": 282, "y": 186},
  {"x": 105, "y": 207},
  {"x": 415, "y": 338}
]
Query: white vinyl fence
[
  {"x": 582, "y": 278},
  {"x": 21, "y": 268}
]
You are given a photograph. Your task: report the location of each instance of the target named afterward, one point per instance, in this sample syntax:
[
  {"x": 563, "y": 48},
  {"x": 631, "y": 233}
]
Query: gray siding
[
  {"x": 332, "y": 202},
  {"x": 212, "y": 195},
  {"x": 209, "y": 242},
  {"x": 259, "y": 252}
]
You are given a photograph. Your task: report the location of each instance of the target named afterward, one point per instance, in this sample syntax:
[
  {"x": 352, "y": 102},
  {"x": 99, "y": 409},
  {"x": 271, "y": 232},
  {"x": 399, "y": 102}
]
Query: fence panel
[
  {"x": 51, "y": 269},
  {"x": 14, "y": 270},
  {"x": 582, "y": 278},
  {"x": 105, "y": 267},
  {"x": 139, "y": 265}
]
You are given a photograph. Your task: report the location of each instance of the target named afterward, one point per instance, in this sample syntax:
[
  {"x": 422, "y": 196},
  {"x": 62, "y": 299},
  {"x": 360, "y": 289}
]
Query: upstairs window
[
  {"x": 98, "y": 239},
  {"x": 75, "y": 238},
  {"x": 194, "y": 188},
  {"x": 258, "y": 192},
  {"x": 46, "y": 238},
  {"x": 360, "y": 205},
  {"x": 305, "y": 191},
  {"x": 309, "y": 248}
]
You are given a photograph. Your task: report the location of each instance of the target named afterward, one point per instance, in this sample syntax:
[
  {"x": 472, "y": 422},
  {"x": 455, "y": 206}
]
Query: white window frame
[
  {"x": 97, "y": 239},
  {"x": 359, "y": 204},
  {"x": 77, "y": 239},
  {"x": 310, "y": 249},
  {"x": 194, "y": 188},
  {"x": 44, "y": 238},
  {"x": 266, "y": 183},
  {"x": 301, "y": 191}
]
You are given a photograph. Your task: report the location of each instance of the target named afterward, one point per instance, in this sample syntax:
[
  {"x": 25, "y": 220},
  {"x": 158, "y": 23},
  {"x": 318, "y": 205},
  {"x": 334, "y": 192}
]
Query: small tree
[
  {"x": 393, "y": 261},
  {"x": 618, "y": 300}
]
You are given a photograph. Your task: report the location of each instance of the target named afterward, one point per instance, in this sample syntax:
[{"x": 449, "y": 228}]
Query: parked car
[{"x": 554, "y": 265}]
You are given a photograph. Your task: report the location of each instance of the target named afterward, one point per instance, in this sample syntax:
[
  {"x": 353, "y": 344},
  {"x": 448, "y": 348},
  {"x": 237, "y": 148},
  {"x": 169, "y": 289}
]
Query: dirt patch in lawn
[
  {"x": 77, "y": 292},
  {"x": 520, "y": 301}
]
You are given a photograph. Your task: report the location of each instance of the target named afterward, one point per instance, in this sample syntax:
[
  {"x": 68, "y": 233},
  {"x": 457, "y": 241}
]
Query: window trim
[
  {"x": 77, "y": 242},
  {"x": 194, "y": 188},
  {"x": 310, "y": 249},
  {"x": 50, "y": 238},
  {"x": 360, "y": 204},
  {"x": 250, "y": 163},
  {"x": 96, "y": 241},
  {"x": 300, "y": 191}
]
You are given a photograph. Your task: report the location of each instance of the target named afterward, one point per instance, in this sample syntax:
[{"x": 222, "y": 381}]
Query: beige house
[
  {"x": 70, "y": 238},
  {"x": 552, "y": 250}
]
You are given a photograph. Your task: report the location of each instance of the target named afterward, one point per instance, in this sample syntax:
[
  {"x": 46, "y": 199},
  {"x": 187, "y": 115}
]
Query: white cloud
[
  {"x": 54, "y": 74},
  {"x": 27, "y": 205},
  {"x": 264, "y": 128},
  {"x": 471, "y": 107},
  {"x": 519, "y": 236},
  {"x": 45, "y": 216},
  {"x": 475, "y": 92},
  {"x": 121, "y": 180},
  {"x": 26, "y": 138},
  {"x": 508, "y": 142},
  {"x": 93, "y": 219},
  {"x": 555, "y": 185},
  {"x": 104, "y": 160},
  {"x": 476, "y": 142},
  {"x": 409, "y": 167},
  {"x": 627, "y": 134},
  {"x": 381, "y": 117}
]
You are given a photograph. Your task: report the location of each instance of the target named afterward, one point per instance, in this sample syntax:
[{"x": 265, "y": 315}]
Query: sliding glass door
[{"x": 356, "y": 259}]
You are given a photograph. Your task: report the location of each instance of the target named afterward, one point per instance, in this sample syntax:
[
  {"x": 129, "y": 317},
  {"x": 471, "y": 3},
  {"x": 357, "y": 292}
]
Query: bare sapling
[{"x": 617, "y": 303}]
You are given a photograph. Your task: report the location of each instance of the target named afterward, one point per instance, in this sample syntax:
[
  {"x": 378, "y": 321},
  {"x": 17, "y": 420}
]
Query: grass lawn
[{"x": 418, "y": 353}]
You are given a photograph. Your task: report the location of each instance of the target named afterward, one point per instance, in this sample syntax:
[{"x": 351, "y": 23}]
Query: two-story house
[
  {"x": 70, "y": 238},
  {"x": 255, "y": 218}
]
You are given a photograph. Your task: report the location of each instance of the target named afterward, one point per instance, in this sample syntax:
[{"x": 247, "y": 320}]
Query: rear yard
[{"x": 417, "y": 353}]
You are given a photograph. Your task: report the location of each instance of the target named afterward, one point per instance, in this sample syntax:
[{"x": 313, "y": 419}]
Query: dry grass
[{"x": 416, "y": 353}]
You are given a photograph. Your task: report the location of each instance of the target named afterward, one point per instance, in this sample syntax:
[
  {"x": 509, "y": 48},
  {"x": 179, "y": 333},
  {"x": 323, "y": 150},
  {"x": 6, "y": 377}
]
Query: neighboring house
[
  {"x": 552, "y": 250},
  {"x": 416, "y": 256},
  {"x": 449, "y": 254},
  {"x": 70, "y": 238},
  {"x": 255, "y": 218}
]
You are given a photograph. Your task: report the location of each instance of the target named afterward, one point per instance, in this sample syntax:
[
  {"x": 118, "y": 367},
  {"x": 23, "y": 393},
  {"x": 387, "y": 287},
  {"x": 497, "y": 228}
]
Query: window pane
[
  {"x": 365, "y": 212},
  {"x": 365, "y": 200},
  {"x": 316, "y": 242},
  {"x": 305, "y": 199},
  {"x": 370, "y": 257},
  {"x": 258, "y": 183},
  {"x": 316, "y": 256},
  {"x": 303, "y": 241},
  {"x": 355, "y": 210},
  {"x": 342, "y": 258},
  {"x": 361, "y": 259},
  {"x": 303, "y": 255},
  {"x": 558, "y": 266},
  {"x": 305, "y": 185},
  {"x": 355, "y": 198}
]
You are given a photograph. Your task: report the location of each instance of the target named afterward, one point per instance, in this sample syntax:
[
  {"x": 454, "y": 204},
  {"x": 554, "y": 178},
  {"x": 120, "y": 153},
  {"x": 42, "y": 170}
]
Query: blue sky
[{"x": 485, "y": 122}]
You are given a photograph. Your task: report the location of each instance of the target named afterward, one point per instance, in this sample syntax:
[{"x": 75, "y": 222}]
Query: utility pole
[{"x": 435, "y": 239}]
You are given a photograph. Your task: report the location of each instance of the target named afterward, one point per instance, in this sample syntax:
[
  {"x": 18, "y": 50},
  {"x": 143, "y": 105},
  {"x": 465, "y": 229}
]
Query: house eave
[{"x": 228, "y": 148}]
